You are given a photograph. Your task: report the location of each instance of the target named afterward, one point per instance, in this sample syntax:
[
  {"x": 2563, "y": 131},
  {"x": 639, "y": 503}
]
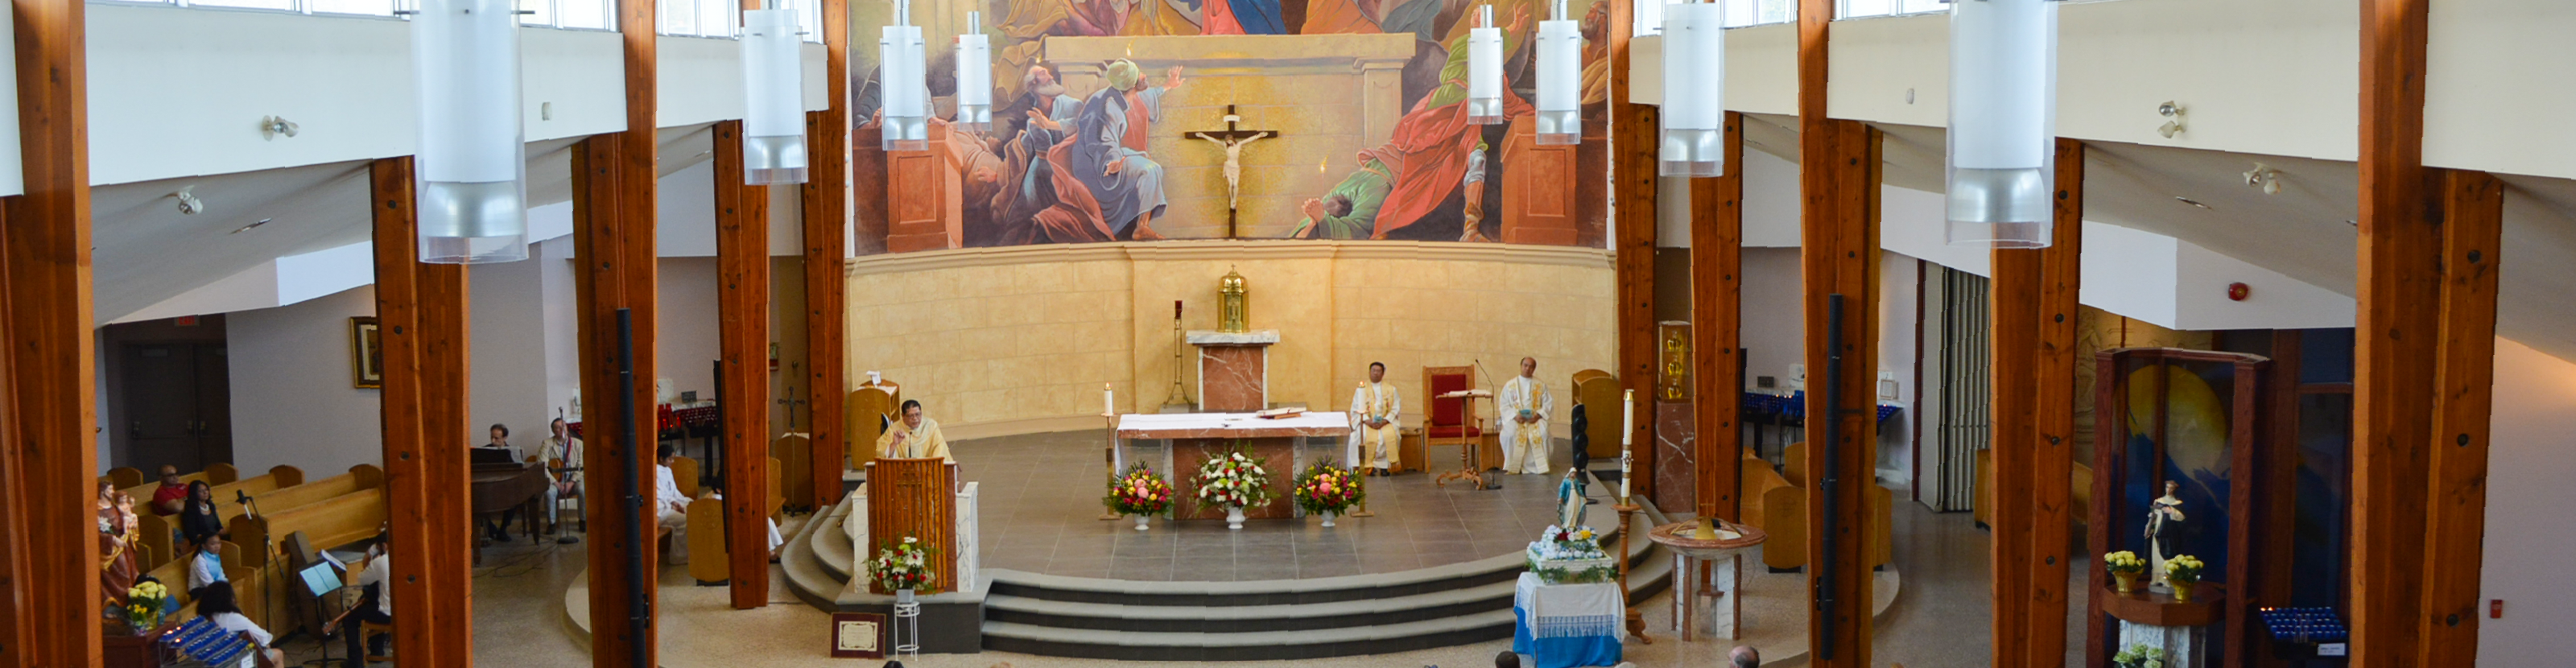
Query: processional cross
[{"x": 1233, "y": 138}]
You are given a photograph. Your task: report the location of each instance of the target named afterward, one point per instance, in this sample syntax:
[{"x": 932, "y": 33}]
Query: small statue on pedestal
[{"x": 2164, "y": 529}]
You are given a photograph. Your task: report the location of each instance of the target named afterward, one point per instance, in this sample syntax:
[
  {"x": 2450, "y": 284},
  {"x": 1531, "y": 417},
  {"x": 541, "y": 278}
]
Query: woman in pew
[
  {"x": 206, "y": 567},
  {"x": 198, "y": 519},
  {"x": 217, "y": 605}
]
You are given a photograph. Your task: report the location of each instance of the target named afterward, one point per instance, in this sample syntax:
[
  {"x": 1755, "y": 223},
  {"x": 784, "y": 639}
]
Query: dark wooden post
[
  {"x": 742, "y": 312},
  {"x": 2034, "y": 407},
  {"x": 1632, "y": 189},
  {"x": 2463, "y": 398},
  {"x": 409, "y": 518},
  {"x": 613, "y": 244},
  {"x": 826, "y": 198},
  {"x": 1838, "y": 176},
  {"x": 1717, "y": 297}
]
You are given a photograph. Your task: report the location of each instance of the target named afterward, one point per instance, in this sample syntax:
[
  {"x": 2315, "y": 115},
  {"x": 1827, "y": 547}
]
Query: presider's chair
[{"x": 1452, "y": 419}]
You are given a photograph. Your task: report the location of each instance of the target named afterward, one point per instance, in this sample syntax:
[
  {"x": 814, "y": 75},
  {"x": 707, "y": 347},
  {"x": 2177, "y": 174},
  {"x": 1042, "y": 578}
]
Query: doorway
[{"x": 173, "y": 390}]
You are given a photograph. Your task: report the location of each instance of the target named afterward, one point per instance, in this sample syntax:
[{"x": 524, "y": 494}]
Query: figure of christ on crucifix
[{"x": 1233, "y": 138}]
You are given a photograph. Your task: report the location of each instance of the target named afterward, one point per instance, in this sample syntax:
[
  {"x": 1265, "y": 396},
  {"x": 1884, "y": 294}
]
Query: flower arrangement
[
  {"x": 903, "y": 564},
  {"x": 2124, "y": 561},
  {"x": 2183, "y": 568},
  {"x": 1236, "y": 480},
  {"x": 1140, "y": 491},
  {"x": 1326, "y": 488},
  {"x": 2139, "y": 656},
  {"x": 143, "y": 606},
  {"x": 1570, "y": 556}
]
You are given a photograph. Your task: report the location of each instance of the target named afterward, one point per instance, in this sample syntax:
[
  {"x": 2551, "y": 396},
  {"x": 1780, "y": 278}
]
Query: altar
[{"x": 1198, "y": 437}]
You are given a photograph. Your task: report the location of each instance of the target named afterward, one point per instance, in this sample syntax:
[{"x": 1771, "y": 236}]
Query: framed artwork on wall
[
  {"x": 366, "y": 353},
  {"x": 858, "y": 635}
]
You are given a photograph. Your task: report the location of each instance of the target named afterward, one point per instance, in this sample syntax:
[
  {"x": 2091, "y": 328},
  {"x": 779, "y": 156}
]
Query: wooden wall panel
[
  {"x": 1717, "y": 318},
  {"x": 51, "y": 580},
  {"x": 925, "y": 204},
  {"x": 915, "y": 498},
  {"x": 742, "y": 338},
  {"x": 1539, "y": 192},
  {"x": 409, "y": 518}
]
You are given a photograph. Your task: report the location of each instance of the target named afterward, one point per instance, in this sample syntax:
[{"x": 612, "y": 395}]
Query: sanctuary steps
[{"x": 1131, "y": 620}]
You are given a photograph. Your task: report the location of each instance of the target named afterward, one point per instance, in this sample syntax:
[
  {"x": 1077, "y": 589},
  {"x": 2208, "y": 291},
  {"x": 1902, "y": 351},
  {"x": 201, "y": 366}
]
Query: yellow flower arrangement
[
  {"x": 2183, "y": 568},
  {"x": 2124, "y": 561}
]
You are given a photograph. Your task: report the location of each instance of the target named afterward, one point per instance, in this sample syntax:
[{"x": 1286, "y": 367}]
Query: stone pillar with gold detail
[
  {"x": 1676, "y": 421},
  {"x": 1234, "y": 360}
]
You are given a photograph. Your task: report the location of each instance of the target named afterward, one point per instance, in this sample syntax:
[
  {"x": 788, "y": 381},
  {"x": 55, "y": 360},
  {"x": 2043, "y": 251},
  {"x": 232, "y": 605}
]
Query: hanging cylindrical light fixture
[
  {"x": 903, "y": 84},
  {"x": 2003, "y": 122},
  {"x": 1694, "y": 109},
  {"x": 472, "y": 172},
  {"x": 1560, "y": 78},
  {"x": 974, "y": 76},
  {"x": 773, "y": 109},
  {"x": 1485, "y": 69}
]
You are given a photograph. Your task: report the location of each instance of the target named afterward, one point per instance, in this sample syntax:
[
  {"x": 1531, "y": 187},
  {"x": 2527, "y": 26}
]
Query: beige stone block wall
[{"x": 1014, "y": 340}]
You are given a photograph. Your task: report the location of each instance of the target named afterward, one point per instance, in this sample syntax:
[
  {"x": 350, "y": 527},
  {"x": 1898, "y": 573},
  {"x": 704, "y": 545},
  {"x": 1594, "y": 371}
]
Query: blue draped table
[{"x": 1563, "y": 626}]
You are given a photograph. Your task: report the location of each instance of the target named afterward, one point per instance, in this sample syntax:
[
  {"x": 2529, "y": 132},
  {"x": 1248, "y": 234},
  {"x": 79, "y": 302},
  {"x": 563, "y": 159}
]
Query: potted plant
[
  {"x": 2182, "y": 573},
  {"x": 1326, "y": 489},
  {"x": 2125, "y": 567},
  {"x": 1235, "y": 481},
  {"x": 1140, "y": 492},
  {"x": 2139, "y": 656},
  {"x": 903, "y": 566}
]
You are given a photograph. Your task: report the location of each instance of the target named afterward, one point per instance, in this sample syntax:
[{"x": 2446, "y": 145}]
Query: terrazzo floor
[{"x": 1940, "y": 621}]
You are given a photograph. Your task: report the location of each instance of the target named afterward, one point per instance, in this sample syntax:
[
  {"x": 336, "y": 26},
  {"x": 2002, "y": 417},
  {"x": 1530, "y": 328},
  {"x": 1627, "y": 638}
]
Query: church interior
[{"x": 1075, "y": 333}]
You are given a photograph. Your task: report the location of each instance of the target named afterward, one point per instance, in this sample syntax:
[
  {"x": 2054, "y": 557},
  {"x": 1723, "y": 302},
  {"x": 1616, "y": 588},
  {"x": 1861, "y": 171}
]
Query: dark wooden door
[{"x": 178, "y": 403}]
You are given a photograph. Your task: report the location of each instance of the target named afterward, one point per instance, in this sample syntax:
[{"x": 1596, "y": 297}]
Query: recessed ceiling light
[
  {"x": 246, "y": 228},
  {"x": 2187, "y": 200}
]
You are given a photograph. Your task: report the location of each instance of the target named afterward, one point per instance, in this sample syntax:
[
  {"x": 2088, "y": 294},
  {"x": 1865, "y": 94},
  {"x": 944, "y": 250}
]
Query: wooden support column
[
  {"x": 1632, "y": 189},
  {"x": 2464, "y": 385},
  {"x": 409, "y": 518},
  {"x": 49, "y": 597},
  {"x": 2034, "y": 302},
  {"x": 613, "y": 207},
  {"x": 2396, "y": 338},
  {"x": 1717, "y": 318},
  {"x": 445, "y": 381},
  {"x": 742, "y": 336},
  {"x": 826, "y": 198},
  {"x": 1838, "y": 177}
]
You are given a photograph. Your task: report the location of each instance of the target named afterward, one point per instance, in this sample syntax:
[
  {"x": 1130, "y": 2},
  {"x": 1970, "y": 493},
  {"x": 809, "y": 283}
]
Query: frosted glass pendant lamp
[
  {"x": 1560, "y": 78},
  {"x": 974, "y": 76},
  {"x": 773, "y": 75},
  {"x": 1694, "y": 111},
  {"x": 472, "y": 171},
  {"x": 2003, "y": 122},
  {"x": 902, "y": 80},
  {"x": 1485, "y": 69}
]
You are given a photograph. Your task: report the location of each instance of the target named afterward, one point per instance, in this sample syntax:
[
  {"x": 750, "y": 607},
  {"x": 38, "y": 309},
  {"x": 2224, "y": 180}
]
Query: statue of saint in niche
[{"x": 2165, "y": 523}]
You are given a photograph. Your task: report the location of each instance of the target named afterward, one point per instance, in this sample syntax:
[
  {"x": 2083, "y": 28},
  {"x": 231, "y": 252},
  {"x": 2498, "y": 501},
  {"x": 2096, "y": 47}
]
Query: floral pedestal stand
[{"x": 907, "y": 625}]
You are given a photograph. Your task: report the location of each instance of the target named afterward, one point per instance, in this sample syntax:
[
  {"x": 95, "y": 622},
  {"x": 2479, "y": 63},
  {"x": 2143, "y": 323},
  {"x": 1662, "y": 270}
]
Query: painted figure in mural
[
  {"x": 1108, "y": 149},
  {"x": 1433, "y": 145},
  {"x": 1472, "y": 229},
  {"x": 1161, "y": 17},
  {"x": 1039, "y": 91},
  {"x": 2164, "y": 531},
  {"x": 1349, "y": 211},
  {"x": 1336, "y": 17},
  {"x": 1244, "y": 17},
  {"x": 1045, "y": 203}
]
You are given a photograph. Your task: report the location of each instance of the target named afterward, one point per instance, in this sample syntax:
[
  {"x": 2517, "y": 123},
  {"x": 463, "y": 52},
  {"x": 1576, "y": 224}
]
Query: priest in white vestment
[
  {"x": 670, "y": 506},
  {"x": 1523, "y": 409},
  {"x": 1375, "y": 430},
  {"x": 913, "y": 437}
]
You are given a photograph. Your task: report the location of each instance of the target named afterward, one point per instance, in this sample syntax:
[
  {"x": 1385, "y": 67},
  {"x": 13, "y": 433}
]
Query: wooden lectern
[{"x": 917, "y": 498}]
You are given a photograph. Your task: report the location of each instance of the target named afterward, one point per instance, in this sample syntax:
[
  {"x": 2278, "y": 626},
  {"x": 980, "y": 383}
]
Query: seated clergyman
[{"x": 913, "y": 437}]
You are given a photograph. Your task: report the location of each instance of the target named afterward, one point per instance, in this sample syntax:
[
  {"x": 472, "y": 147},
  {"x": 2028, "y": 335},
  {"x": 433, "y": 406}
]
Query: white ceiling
[
  {"x": 2304, "y": 231},
  {"x": 144, "y": 251}
]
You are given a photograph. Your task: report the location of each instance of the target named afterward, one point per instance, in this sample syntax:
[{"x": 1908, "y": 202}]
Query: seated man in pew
[
  {"x": 914, "y": 437},
  {"x": 375, "y": 602},
  {"x": 167, "y": 499}
]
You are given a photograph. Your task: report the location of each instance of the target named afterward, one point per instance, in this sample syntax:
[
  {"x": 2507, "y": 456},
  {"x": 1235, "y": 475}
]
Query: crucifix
[
  {"x": 792, "y": 399},
  {"x": 1233, "y": 138}
]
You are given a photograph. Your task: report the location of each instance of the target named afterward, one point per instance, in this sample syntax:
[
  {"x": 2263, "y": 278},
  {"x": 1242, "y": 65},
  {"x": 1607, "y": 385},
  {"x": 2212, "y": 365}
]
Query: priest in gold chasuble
[
  {"x": 1375, "y": 433},
  {"x": 1523, "y": 409},
  {"x": 913, "y": 437}
]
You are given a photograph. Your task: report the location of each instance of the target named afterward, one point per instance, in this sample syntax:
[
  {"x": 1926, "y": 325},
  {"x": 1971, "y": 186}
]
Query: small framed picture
[
  {"x": 858, "y": 635},
  {"x": 366, "y": 353}
]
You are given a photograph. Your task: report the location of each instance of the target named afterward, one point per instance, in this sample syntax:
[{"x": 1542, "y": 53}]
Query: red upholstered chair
[{"x": 1452, "y": 421}]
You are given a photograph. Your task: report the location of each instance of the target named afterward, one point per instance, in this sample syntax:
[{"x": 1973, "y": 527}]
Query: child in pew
[
  {"x": 206, "y": 567},
  {"x": 217, "y": 604}
]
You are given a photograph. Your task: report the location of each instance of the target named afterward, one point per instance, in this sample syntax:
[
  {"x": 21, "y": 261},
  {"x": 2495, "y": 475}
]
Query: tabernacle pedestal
[{"x": 1234, "y": 369}]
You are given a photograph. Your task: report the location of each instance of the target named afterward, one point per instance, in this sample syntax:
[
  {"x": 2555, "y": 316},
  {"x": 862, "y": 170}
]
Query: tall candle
[
  {"x": 1108, "y": 400},
  {"x": 1627, "y": 432}
]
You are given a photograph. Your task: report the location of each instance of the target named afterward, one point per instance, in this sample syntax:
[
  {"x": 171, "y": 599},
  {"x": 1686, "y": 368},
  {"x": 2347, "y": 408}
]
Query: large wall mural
[{"x": 1118, "y": 120}]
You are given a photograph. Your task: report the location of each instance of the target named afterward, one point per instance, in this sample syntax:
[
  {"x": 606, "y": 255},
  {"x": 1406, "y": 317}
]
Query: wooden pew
[
  {"x": 708, "y": 562},
  {"x": 159, "y": 545},
  {"x": 142, "y": 491},
  {"x": 251, "y": 586},
  {"x": 359, "y": 478},
  {"x": 684, "y": 472},
  {"x": 342, "y": 520},
  {"x": 123, "y": 476}
]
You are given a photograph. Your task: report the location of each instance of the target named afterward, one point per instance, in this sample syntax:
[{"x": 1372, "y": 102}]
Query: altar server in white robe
[
  {"x": 1524, "y": 408},
  {"x": 1375, "y": 429},
  {"x": 670, "y": 507}
]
